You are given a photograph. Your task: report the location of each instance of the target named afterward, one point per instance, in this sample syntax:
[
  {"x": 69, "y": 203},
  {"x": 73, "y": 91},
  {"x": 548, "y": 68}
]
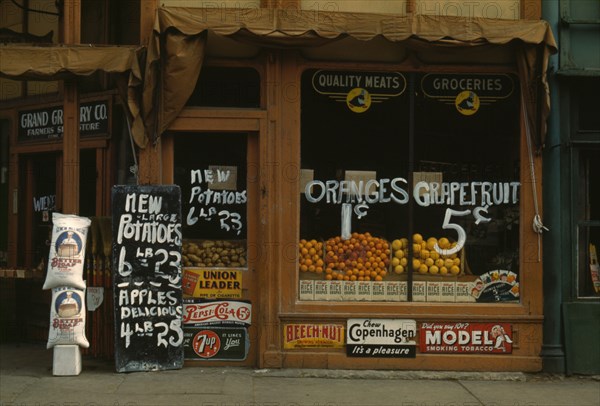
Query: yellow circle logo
[
  {"x": 358, "y": 100},
  {"x": 467, "y": 103}
]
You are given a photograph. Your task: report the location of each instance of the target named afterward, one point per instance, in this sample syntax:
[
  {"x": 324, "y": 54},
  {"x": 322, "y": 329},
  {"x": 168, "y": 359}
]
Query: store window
[
  {"x": 210, "y": 168},
  {"x": 410, "y": 187},
  {"x": 586, "y": 138},
  {"x": 220, "y": 86}
]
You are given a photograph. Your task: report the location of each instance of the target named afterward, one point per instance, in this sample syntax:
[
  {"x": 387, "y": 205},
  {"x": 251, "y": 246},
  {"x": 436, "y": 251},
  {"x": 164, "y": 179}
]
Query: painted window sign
[
  {"x": 147, "y": 277},
  {"x": 47, "y": 123},
  {"x": 467, "y": 92},
  {"x": 381, "y": 338},
  {"x": 44, "y": 203},
  {"x": 478, "y": 338},
  {"x": 213, "y": 199},
  {"x": 358, "y": 90}
]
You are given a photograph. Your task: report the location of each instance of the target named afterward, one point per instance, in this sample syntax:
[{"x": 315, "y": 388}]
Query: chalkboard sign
[{"x": 147, "y": 277}]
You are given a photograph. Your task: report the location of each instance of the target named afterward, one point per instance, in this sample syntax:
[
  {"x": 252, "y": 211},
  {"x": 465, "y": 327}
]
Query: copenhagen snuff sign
[
  {"x": 381, "y": 338},
  {"x": 359, "y": 90}
]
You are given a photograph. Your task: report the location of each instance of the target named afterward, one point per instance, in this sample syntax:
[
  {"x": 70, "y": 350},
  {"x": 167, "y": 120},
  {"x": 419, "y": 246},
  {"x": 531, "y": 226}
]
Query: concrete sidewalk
[{"x": 26, "y": 379}]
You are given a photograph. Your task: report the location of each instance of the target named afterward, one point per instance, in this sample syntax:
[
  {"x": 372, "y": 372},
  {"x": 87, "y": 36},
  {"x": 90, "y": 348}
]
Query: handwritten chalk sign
[
  {"x": 147, "y": 277},
  {"x": 214, "y": 204}
]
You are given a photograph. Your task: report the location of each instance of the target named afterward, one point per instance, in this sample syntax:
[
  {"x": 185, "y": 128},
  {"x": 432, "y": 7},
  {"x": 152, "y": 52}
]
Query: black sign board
[
  {"x": 216, "y": 343},
  {"x": 47, "y": 123},
  {"x": 147, "y": 276}
]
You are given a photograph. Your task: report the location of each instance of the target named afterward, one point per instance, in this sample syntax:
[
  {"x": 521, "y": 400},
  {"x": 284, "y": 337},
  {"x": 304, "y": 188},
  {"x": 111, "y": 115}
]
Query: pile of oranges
[
  {"x": 426, "y": 259},
  {"x": 362, "y": 257},
  {"x": 310, "y": 256}
]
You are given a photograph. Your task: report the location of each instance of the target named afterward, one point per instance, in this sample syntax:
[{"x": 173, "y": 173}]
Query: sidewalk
[{"x": 26, "y": 379}]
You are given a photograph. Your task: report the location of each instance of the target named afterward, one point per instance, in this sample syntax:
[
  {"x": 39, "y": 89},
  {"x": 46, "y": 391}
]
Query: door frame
[{"x": 253, "y": 123}]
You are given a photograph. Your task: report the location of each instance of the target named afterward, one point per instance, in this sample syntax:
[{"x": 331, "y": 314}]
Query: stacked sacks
[{"x": 65, "y": 278}]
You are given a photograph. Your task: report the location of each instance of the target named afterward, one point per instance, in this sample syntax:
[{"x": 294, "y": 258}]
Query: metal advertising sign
[
  {"x": 459, "y": 338},
  {"x": 212, "y": 283},
  {"x": 196, "y": 311},
  {"x": 216, "y": 343},
  {"x": 306, "y": 335},
  {"x": 381, "y": 338}
]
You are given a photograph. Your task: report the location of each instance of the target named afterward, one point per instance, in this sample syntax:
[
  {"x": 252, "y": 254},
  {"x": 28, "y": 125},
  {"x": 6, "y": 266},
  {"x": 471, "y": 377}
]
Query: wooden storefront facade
[{"x": 268, "y": 98}]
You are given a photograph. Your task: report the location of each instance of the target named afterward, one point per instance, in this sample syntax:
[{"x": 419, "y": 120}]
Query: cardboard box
[
  {"x": 392, "y": 291},
  {"x": 307, "y": 289},
  {"x": 378, "y": 291},
  {"x": 434, "y": 291},
  {"x": 419, "y": 291},
  {"x": 448, "y": 291},
  {"x": 322, "y": 290},
  {"x": 350, "y": 290},
  {"x": 364, "y": 290},
  {"x": 335, "y": 290}
]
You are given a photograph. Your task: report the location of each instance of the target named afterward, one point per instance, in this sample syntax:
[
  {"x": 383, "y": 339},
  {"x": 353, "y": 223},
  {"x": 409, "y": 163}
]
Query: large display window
[{"x": 410, "y": 187}]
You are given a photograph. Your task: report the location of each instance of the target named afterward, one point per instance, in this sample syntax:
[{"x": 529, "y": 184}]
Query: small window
[
  {"x": 227, "y": 87},
  {"x": 587, "y": 102},
  {"x": 588, "y": 281}
]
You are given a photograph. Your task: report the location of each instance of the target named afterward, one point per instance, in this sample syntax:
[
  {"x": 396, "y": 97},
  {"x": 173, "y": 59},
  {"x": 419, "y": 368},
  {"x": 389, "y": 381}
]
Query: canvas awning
[
  {"x": 178, "y": 44},
  {"x": 58, "y": 62}
]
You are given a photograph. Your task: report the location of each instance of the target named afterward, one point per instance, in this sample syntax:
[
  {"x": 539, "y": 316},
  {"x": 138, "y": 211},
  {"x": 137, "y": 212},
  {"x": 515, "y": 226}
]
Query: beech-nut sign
[
  {"x": 359, "y": 90},
  {"x": 467, "y": 92}
]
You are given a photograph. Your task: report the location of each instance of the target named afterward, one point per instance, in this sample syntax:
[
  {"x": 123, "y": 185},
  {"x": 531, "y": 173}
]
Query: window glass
[
  {"x": 588, "y": 283},
  {"x": 211, "y": 171},
  {"x": 226, "y": 87},
  {"x": 409, "y": 199}
]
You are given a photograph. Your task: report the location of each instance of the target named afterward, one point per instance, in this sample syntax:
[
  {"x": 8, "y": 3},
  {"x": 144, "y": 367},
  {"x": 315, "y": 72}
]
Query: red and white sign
[
  {"x": 206, "y": 344},
  {"x": 479, "y": 338},
  {"x": 225, "y": 311}
]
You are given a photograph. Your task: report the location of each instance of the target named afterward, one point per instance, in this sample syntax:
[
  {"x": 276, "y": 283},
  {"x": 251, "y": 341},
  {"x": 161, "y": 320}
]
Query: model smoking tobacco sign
[
  {"x": 147, "y": 277},
  {"x": 478, "y": 338},
  {"x": 358, "y": 89}
]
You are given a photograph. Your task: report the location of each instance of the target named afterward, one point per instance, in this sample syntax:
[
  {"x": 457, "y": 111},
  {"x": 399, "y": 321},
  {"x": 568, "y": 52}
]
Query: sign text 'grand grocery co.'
[{"x": 47, "y": 123}]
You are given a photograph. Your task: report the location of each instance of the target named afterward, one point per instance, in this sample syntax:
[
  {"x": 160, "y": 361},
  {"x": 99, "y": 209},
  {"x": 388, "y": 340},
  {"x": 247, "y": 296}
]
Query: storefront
[
  {"x": 372, "y": 187},
  {"x": 63, "y": 151}
]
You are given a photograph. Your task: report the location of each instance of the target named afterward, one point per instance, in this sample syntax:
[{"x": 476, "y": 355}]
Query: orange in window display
[
  {"x": 362, "y": 257},
  {"x": 426, "y": 260},
  {"x": 310, "y": 256}
]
